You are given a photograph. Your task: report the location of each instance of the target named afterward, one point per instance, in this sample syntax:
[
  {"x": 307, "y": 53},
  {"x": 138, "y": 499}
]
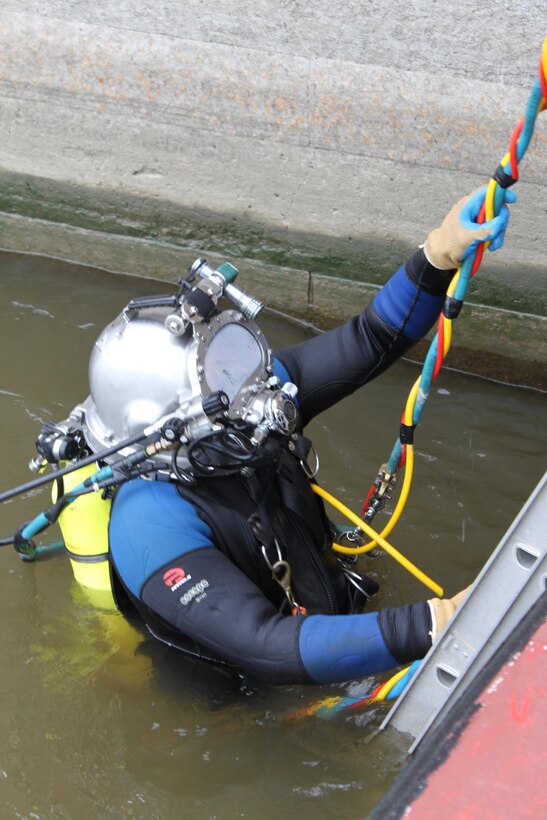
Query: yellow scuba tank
[{"x": 84, "y": 525}]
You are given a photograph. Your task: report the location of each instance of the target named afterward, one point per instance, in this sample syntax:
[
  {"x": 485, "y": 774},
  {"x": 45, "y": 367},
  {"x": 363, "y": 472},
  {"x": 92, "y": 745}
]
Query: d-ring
[{"x": 306, "y": 467}]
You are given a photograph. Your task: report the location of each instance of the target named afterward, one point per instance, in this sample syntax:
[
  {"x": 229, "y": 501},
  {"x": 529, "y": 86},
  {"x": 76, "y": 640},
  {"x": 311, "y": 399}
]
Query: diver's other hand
[
  {"x": 442, "y": 609},
  {"x": 459, "y": 234}
]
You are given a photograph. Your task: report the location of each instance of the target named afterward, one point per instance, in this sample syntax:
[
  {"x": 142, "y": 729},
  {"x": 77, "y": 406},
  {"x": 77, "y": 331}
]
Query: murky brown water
[{"x": 98, "y": 721}]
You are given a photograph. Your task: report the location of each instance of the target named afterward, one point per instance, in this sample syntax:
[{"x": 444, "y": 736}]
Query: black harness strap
[{"x": 273, "y": 505}]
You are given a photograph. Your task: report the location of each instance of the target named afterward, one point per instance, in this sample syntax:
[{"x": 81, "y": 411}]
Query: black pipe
[{"x": 37, "y": 482}]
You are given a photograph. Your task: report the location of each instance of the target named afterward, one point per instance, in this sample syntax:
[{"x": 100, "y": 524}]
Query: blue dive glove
[
  {"x": 459, "y": 234},
  {"x": 496, "y": 227}
]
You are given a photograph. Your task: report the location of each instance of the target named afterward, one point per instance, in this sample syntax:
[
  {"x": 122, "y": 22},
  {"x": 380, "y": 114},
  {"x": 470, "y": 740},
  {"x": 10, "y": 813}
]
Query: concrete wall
[{"x": 357, "y": 121}]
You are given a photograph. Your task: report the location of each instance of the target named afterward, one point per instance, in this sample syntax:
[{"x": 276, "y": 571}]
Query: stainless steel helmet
[
  {"x": 138, "y": 374},
  {"x": 182, "y": 358}
]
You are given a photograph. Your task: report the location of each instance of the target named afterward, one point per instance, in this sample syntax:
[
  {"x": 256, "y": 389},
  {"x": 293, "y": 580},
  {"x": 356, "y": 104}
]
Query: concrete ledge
[
  {"x": 505, "y": 345},
  {"x": 516, "y": 286}
]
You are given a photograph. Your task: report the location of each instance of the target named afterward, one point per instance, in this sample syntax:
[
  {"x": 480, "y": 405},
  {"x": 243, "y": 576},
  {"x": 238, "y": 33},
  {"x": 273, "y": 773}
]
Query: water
[{"x": 96, "y": 720}]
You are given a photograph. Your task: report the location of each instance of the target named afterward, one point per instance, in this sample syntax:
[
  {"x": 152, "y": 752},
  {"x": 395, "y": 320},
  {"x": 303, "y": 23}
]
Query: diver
[{"x": 212, "y": 533}]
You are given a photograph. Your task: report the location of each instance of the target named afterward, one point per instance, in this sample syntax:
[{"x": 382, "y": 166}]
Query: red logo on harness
[{"x": 173, "y": 576}]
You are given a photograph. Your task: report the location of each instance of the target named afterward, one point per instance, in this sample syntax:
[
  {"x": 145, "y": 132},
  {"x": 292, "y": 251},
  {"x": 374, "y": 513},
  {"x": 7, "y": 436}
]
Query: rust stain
[{"x": 282, "y": 104}]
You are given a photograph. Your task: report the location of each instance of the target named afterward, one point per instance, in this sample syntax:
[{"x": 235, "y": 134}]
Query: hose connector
[{"x": 380, "y": 492}]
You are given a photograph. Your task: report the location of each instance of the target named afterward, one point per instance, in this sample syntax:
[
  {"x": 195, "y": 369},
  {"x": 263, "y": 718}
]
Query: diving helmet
[{"x": 182, "y": 359}]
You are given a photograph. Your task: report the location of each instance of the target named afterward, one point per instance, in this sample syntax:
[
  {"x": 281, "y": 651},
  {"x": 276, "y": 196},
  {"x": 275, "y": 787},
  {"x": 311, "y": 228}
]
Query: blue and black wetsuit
[{"x": 190, "y": 562}]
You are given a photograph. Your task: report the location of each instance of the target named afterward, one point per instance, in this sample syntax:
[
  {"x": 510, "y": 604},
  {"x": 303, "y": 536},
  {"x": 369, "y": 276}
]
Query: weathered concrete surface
[
  {"x": 348, "y": 119},
  {"x": 327, "y": 138}
]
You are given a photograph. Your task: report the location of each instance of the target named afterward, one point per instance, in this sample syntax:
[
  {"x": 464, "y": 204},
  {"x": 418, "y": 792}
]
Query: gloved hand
[
  {"x": 459, "y": 234},
  {"x": 442, "y": 609}
]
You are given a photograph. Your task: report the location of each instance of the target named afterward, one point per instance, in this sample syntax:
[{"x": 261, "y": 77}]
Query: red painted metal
[{"x": 498, "y": 767}]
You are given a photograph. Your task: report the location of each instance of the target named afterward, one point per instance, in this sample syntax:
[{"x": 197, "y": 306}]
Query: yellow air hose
[{"x": 378, "y": 539}]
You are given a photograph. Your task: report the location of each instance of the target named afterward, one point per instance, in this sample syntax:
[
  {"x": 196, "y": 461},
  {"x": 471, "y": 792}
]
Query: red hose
[
  {"x": 513, "y": 149},
  {"x": 440, "y": 347},
  {"x": 542, "y": 80}
]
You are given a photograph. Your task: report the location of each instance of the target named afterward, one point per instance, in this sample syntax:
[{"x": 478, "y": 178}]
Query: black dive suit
[{"x": 196, "y": 560}]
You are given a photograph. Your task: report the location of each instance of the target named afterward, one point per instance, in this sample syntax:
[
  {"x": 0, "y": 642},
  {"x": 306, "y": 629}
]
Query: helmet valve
[{"x": 200, "y": 302}]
